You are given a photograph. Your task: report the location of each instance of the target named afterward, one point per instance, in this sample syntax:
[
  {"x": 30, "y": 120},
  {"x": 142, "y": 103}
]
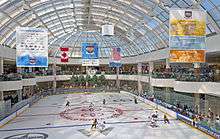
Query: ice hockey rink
[{"x": 50, "y": 118}]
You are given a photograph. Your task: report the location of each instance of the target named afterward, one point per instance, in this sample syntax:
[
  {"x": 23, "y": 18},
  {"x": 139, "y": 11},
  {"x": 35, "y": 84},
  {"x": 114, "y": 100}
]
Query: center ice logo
[{"x": 28, "y": 136}]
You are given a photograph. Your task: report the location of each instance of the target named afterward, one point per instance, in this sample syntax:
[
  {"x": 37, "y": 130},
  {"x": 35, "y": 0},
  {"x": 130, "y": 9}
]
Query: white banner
[{"x": 31, "y": 47}]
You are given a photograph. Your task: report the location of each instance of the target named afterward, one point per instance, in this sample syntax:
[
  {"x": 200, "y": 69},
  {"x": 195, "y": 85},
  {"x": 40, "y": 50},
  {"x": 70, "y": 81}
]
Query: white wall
[
  {"x": 10, "y": 85},
  {"x": 162, "y": 82},
  {"x": 29, "y": 82},
  {"x": 198, "y": 87}
]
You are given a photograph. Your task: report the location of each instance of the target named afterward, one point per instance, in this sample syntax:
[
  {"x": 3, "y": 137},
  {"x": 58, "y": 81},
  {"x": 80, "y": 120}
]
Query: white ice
[{"x": 46, "y": 117}]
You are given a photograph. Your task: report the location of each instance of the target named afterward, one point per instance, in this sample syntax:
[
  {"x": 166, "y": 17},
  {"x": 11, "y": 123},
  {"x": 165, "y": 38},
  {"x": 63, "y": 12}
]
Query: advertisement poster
[
  {"x": 187, "y": 33},
  {"x": 185, "y": 56},
  {"x": 116, "y": 58},
  {"x": 31, "y": 47},
  {"x": 90, "y": 54}
]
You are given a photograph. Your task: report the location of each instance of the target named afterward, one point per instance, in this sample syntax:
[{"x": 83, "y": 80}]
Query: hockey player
[
  {"x": 104, "y": 102},
  {"x": 67, "y": 103},
  {"x": 135, "y": 100},
  {"x": 102, "y": 126},
  {"x": 94, "y": 124},
  {"x": 166, "y": 120}
]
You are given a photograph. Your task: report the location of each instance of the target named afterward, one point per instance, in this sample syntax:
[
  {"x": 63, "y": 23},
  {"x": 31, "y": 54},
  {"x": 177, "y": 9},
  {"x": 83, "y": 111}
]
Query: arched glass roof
[{"x": 141, "y": 26}]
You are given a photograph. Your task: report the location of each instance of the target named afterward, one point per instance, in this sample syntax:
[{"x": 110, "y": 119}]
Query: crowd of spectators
[
  {"x": 208, "y": 119},
  {"x": 203, "y": 74}
]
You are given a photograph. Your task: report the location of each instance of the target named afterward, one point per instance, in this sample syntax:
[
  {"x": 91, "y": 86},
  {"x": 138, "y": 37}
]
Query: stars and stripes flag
[
  {"x": 116, "y": 54},
  {"x": 116, "y": 58},
  {"x": 64, "y": 54}
]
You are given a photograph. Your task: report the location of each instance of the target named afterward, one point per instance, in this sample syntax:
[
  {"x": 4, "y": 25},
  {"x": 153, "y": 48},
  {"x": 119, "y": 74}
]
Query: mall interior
[{"x": 143, "y": 35}]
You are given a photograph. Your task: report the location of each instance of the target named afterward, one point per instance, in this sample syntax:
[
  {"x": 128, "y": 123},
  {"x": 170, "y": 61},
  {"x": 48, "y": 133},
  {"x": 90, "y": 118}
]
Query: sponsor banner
[
  {"x": 31, "y": 47},
  {"x": 187, "y": 35},
  {"x": 187, "y": 56},
  {"x": 116, "y": 58},
  {"x": 64, "y": 54},
  {"x": 187, "y": 23},
  {"x": 90, "y": 54},
  {"x": 187, "y": 42}
]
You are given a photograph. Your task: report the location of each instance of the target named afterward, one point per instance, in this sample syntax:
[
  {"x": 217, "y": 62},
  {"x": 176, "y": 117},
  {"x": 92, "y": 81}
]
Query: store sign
[{"x": 31, "y": 47}]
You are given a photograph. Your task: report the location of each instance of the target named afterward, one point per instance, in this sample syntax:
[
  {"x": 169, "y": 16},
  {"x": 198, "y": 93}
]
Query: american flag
[{"x": 116, "y": 54}]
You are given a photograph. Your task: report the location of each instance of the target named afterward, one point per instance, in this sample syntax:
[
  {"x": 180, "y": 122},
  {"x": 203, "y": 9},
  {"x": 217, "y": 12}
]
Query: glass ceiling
[{"x": 141, "y": 26}]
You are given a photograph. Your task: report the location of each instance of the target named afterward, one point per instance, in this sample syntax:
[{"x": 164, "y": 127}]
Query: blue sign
[{"x": 90, "y": 54}]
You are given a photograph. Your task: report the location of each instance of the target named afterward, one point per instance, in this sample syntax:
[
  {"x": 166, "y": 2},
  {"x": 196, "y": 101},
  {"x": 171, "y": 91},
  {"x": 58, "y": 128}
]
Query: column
[
  {"x": 1, "y": 72},
  {"x": 197, "y": 102},
  {"x": 117, "y": 79},
  {"x": 151, "y": 68},
  {"x": 207, "y": 104},
  {"x": 167, "y": 95},
  {"x": 167, "y": 63},
  {"x": 1, "y": 66},
  {"x": 197, "y": 70},
  {"x": 54, "y": 75},
  {"x": 19, "y": 93},
  {"x": 139, "y": 68},
  {"x": 1, "y": 96}
]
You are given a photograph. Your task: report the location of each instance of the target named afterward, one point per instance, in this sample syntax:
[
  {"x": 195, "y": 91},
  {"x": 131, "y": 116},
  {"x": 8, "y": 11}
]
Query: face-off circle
[{"x": 90, "y": 113}]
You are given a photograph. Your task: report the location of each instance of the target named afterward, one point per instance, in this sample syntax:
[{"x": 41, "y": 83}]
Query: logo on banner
[
  {"x": 90, "y": 54},
  {"x": 64, "y": 54}
]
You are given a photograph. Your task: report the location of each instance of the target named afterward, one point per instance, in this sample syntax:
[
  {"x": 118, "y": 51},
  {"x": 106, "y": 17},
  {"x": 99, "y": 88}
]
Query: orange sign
[{"x": 187, "y": 56}]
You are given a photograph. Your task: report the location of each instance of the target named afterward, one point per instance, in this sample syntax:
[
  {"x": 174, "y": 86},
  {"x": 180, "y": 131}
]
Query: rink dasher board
[
  {"x": 13, "y": 115},
  {"x": 156, "y": 106}
]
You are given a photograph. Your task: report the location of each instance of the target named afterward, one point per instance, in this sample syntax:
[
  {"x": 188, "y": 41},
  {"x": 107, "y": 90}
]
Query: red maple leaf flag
[{"x": 64, "y": 54}]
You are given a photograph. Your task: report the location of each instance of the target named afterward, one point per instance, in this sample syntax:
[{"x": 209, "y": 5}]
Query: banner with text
[
  {"x": 90, "y": 54},
  {"x": 187, "y": 33},
  {"x": 31, "y": 47}
]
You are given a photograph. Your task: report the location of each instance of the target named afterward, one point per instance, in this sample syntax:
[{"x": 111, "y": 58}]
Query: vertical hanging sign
[
  {"x": 90, "y": 54},
  {"x": 31, "y": 47},
  {"x": 187, "y": 36}
]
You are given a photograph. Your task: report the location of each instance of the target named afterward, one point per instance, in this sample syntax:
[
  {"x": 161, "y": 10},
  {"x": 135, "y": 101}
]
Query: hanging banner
[
  {"x": 187, "y": 56},
  {"x": 64, "y": 54},
  {"x": 187, "y": 32},
  {"x": 116, "y": 58},
  {"x": 31, "y": 47},
  {"x": 90, "y": 54}
]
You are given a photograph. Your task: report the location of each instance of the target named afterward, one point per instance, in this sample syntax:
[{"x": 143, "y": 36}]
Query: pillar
[
  {"x": 1, "y": 96},
  {"x": 167, "y": 63},
  {"x": 54, "y": 76},
  {"x": 1, "y": 66},
  {"x": 167, "y": 95},
  {"x": 151, "y": 68},
  {"x": 197, "y": 70},
  {"x": 207, "y": 104},
  {"x": 140, "y": 89},
  {"x": 19, "y": 93},
  {"x": 197, "y": 102},
  {"x": 117, "y": 79}
]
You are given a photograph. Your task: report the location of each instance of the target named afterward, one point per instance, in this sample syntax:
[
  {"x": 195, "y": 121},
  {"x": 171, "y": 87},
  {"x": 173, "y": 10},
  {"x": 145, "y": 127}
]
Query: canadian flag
[{"x": 64, "y": 54}]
